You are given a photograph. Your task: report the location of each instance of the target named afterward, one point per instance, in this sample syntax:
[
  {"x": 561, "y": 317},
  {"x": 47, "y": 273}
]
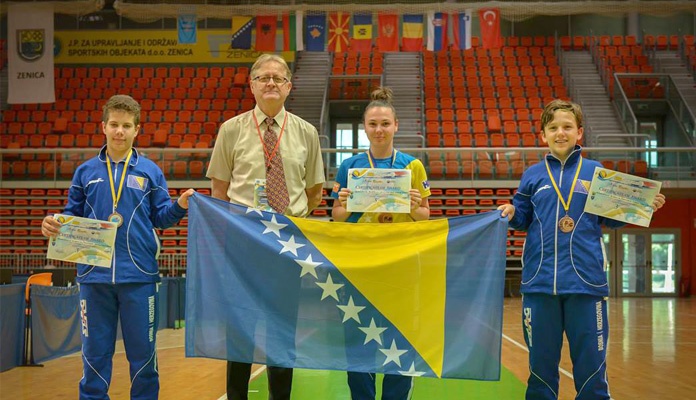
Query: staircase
[
  {"x": 587, "y": 89},
  {"x": 308, "y": 86},
  {"x": 669, "y": 62},
  {"x": 402, "y": 73}
]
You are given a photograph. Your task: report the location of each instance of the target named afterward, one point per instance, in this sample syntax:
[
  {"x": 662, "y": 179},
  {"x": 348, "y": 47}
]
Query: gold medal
[
  {"x": 566, "y": 224},
  {"x": 116, "y": 218}
]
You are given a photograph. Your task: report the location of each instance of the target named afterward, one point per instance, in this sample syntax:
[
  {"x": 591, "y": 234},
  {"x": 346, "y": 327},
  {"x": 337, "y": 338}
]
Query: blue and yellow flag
[{"x": 421, "y": 299}]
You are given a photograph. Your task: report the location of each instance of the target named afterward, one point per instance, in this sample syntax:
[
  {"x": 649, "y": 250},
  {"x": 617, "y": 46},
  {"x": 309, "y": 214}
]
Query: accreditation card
[
  {"x": 379, "y": 190},
  {"x": 622, "y": 197},
  {"x": 83, "y": 241}
]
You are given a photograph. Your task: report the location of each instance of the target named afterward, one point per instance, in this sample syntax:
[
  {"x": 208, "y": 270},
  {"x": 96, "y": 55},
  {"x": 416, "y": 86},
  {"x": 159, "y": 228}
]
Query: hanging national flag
[
  {"x": 412, "y": 36},
  {"x": 418, "y": 299},
  {"x": 316, "y": 32},
  {"x": 338, "y": 31},
  {"x": 437, "y": 31},
  {"x": 241, "y": 32},
  {"x": 388, "y": 35},
  {"x": 266, "y": 27},
  {"x": 362, "y": 33},
  {"x": 187, "y": 29},
  {"x": 490, "y": 28},
  {"x": 292, "y": 32},
  {"x": 461, "y": 30},
  {"x": 30, "y": 42}
]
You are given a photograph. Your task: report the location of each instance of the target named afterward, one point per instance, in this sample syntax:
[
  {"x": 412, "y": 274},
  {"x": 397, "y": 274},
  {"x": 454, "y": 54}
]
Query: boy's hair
[
  {"x": 381, "y": 97},
  {"x": 124, "y": 103},
  {"x": 268, "y": 57},
  {"x": 555, "y": 105}
]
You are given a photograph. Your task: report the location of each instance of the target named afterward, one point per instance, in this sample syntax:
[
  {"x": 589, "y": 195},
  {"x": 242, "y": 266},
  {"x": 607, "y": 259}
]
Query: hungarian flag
[
  {"x": 490, "y": 28},
  {"x": 339, "y": 24},
  {"x": 412, "y": 36},
  {"x": 388, "y": 39},
  {"x": 413, "y": 299},
  {"x": 265, "y": 32},
  {"x": 362, "y": 33}
]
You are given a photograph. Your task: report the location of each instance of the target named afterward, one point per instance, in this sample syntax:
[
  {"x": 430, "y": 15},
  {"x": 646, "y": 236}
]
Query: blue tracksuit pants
[
  {"x": 394, "y": 387},
  {"x": 583, "y": 318},
  {"x": 101, "y": 305}
]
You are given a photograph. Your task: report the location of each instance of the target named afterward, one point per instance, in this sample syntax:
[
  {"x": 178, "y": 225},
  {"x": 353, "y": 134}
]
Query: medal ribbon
[
  {"x": 115, "y": 196},
  {"x": 566, "y": 206},
  {"x": 269, "y": 156},
  {"x": 372, "y": 164}
]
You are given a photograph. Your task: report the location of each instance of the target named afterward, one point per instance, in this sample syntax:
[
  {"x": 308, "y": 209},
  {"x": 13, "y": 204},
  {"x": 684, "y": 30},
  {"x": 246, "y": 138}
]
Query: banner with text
[
  {"x": 150, "y": 47},
  {"x": 30, "y": 53}
]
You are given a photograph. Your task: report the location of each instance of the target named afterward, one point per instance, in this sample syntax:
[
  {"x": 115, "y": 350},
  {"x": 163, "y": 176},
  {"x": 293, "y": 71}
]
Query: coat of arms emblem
[{"x": 30, "y": 43}]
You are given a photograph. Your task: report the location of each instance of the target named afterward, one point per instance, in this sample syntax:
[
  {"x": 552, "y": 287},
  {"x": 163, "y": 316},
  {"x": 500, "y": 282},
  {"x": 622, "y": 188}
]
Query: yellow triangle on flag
[{"x": 400, "y": 268}]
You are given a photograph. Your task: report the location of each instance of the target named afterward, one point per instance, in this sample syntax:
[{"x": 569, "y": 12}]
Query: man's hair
[
  {"x": 381, "y": 97},
  {"x": 124, "y": 103},
  {"x": 562, "y": 105},
  {"x": 268, "y": 57}
]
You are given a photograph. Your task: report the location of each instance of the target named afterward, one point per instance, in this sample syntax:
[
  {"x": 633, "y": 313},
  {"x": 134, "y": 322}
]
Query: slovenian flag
[{"x": 418, "y": 299}]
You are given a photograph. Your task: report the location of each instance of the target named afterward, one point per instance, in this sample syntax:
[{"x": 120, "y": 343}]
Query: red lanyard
[{"x": 269, "y": 157}]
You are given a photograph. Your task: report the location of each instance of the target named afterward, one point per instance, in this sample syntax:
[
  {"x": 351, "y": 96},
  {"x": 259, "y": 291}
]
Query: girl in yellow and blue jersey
[{"x": 381, "y": 124}]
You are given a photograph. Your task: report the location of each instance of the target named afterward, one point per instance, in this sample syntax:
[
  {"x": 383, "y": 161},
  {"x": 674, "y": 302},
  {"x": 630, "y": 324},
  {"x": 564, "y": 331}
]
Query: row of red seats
[
  {"x": 151, "y": 83},
  {"x": 479, "y": 137},
  {"x": 449, "y": 113},
  {"x": 459, "y": 57},
  {"x": 228, "y": 71}
]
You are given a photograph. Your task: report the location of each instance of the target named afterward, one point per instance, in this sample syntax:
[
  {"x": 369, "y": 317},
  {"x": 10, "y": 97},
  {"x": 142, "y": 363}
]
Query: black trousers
[{"x": 238, "y": 374}]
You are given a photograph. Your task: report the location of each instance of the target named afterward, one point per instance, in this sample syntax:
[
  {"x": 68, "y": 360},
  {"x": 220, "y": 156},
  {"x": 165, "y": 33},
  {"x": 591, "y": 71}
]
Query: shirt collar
[
  {"x": 133, "y": 161},
  {"x": 261, "y": 117}
]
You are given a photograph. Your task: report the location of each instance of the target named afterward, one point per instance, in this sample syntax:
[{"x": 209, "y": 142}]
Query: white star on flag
[
  {"x": 308, "y": 266},
  {"x": 254, "y": 210},
  {"x": 412, "y": 371},
  {"x": 273, "y": 226},
  {"x": 330, "y": 288},
  {"x": 351, "y": 310},
  {"x": 290, "y": 246},
  {"x": 393, "y": 354},
  {"x": 372, "y": 332}
]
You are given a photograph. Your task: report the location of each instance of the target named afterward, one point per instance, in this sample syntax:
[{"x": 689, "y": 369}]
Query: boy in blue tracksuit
[
  {"x": 121, "y": 186},
  {"x": 564, "y": 281},
  {"x": 380, "y": 126}
]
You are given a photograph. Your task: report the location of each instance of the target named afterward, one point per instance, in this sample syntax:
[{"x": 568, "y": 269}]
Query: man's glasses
[{"x": 278, "y": 80}]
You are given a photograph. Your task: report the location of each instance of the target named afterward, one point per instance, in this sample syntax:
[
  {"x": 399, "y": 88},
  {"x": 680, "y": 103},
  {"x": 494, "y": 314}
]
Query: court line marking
[
  {"x": 253, "y": 375},
  {"x": 523, "y": 347}
]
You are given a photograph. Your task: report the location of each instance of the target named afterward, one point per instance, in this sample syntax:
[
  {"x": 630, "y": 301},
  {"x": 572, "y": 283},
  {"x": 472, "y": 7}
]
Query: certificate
[
  {"x": 84, "y": 241},
  {"x": 379, "y": 190},
  {"x": 622, "y": 197}
]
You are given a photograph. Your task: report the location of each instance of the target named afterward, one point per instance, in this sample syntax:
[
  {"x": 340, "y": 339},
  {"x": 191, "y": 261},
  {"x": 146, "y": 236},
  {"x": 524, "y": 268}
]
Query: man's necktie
[{"x": 276, "y": 189}]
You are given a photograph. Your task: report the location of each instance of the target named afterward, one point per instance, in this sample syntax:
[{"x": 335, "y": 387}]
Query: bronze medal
[
  {"x": 566, "y": 224},
  {"x": 117, "y": 218},
  {"x": 385, "y": 218}
]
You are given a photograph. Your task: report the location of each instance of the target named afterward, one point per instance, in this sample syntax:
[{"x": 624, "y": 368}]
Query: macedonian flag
[{"x": 338, "y": 31}]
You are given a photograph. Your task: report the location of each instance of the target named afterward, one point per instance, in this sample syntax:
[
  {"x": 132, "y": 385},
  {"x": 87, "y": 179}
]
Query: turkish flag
[{"x": 490, "y": 28}]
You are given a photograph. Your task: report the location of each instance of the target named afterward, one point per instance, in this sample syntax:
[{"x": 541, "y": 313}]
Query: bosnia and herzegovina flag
[{"x": 421, "y": 299}]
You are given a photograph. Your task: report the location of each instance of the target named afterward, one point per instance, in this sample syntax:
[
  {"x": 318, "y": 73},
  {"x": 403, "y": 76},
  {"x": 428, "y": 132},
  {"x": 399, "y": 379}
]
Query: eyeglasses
[{"x": 278, "y": 80}]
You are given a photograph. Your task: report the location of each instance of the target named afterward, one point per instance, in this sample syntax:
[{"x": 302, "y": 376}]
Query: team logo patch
[
  {"x": 426, "y": 185},
  {"x": 137, "y": 182},
  {"x": 528, "y": 324},
  {"x": 582, "y": 187},
  {"x": 31, "y": 43},
  {"x": 83, "y": 317},
  {"x": 336, "y": 187}
]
